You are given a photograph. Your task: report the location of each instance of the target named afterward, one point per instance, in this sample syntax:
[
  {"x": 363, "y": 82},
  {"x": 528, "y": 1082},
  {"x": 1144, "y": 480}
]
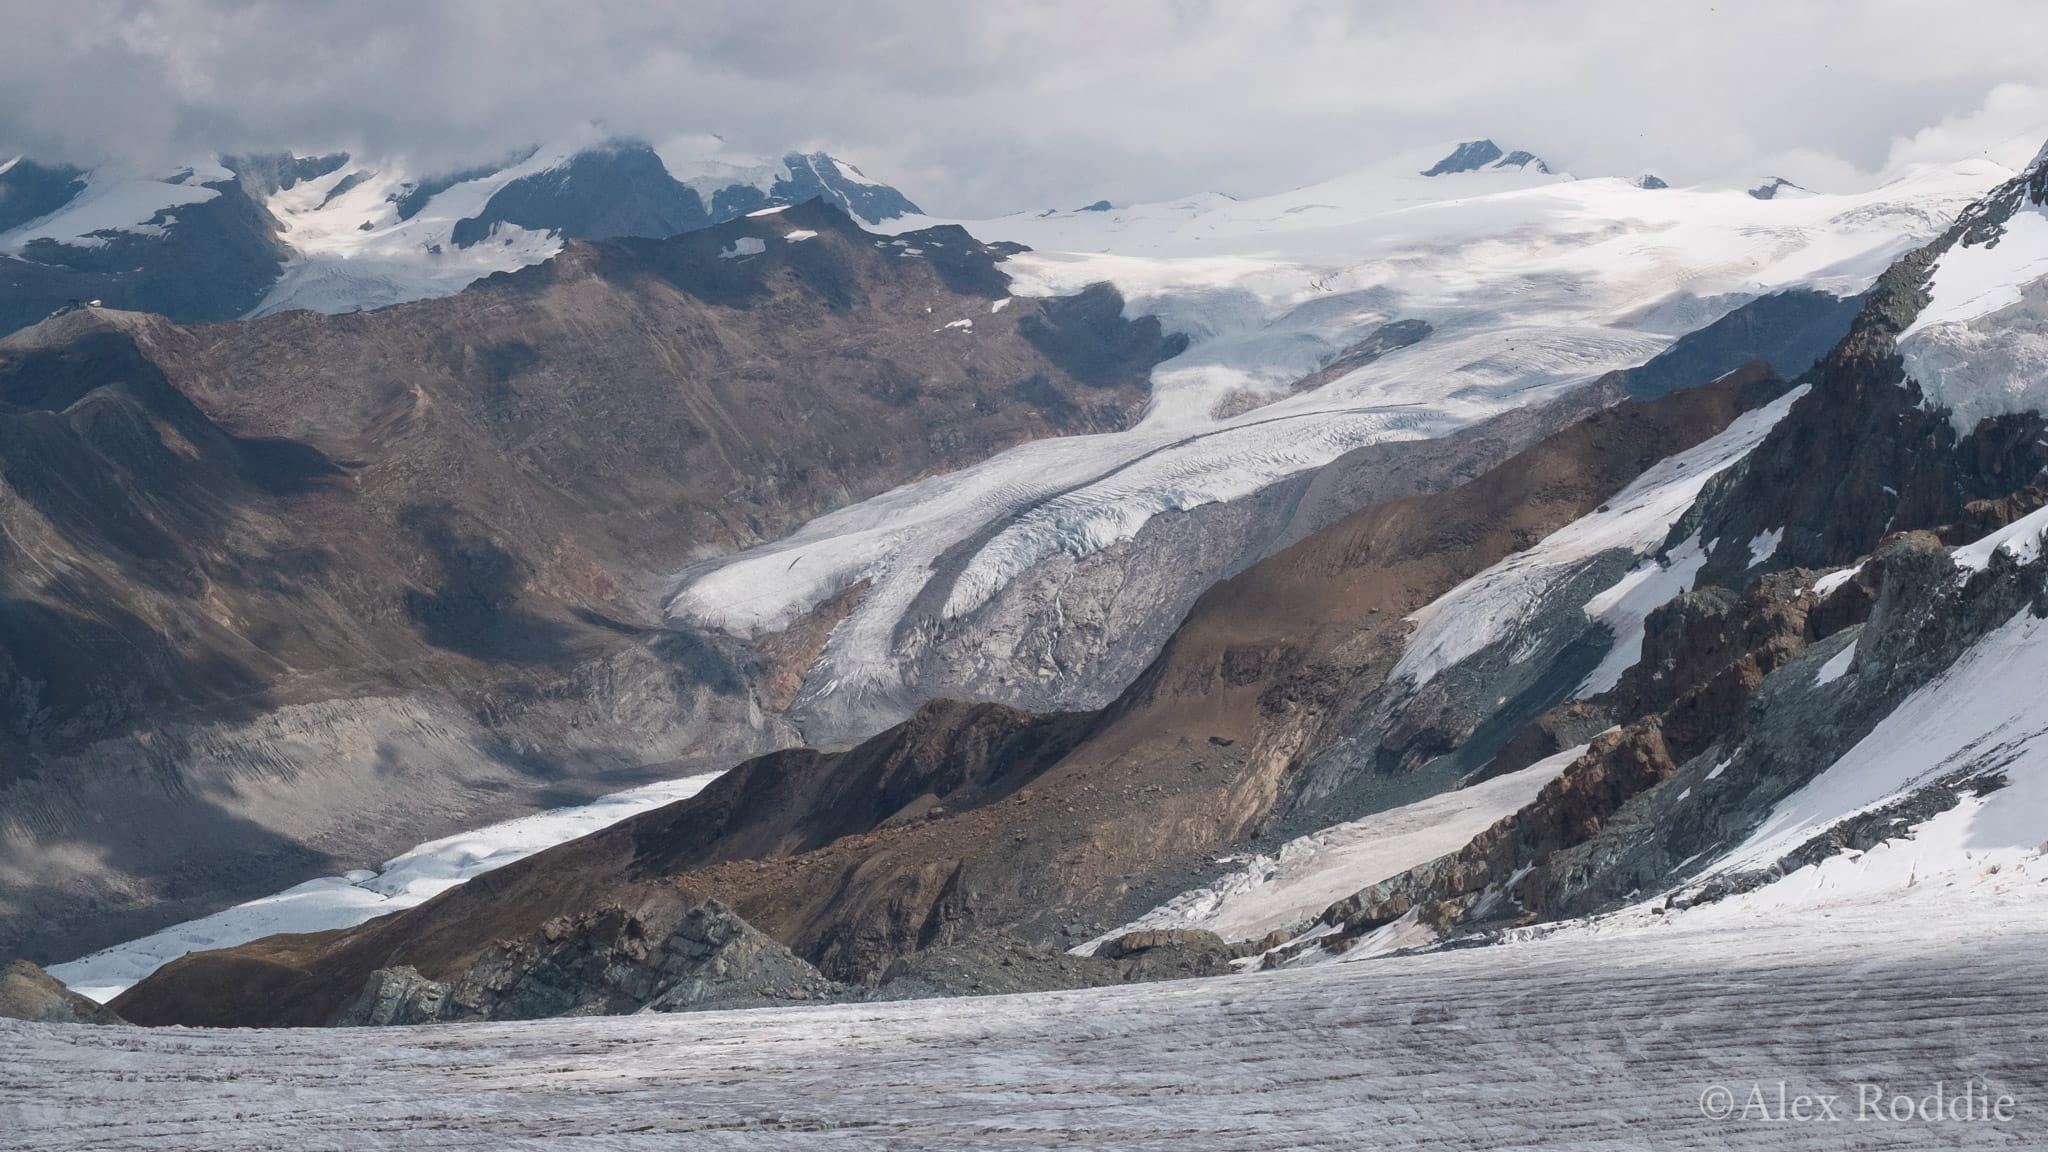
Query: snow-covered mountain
[
  {"x": 228, "y": 236},
  {"x": 1527, "y": 283}
]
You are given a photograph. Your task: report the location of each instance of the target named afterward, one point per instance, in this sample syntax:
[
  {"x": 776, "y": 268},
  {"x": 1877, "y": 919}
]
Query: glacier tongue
[{"x": 1532, "y": 284}]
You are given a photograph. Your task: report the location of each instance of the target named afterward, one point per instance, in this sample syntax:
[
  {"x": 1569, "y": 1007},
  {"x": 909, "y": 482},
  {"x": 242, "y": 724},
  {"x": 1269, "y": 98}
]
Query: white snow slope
[
  {"x": 1533, "y": 284},
  {"x": 1312, "y": 872},
  {"x": 410, "y": 878},
  {"x": 1983, "y": 713}
]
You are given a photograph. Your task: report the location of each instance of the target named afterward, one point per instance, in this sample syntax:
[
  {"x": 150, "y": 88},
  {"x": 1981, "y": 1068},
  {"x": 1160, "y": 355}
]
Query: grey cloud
[{"x": 984, "y": 108}]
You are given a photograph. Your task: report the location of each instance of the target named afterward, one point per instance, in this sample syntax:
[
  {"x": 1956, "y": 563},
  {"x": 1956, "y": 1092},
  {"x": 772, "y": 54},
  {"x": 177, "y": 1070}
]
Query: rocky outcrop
[
  {"x": 605, "y": 961},
  {"x": 29, "y": 993},
  {"x": 1705, "y": 655}
]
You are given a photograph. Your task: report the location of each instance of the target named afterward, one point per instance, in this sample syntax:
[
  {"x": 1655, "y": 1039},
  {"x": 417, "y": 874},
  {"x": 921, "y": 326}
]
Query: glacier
[
  {"x": 1533, "y": 284},
  {"x": 411, "y": 878}
]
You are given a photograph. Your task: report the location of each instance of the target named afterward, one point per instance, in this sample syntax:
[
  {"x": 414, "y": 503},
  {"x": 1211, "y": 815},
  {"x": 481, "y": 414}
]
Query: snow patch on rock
[
  {"x": 1489, "y": 606},
  {"x": 1309, "y": 873}
]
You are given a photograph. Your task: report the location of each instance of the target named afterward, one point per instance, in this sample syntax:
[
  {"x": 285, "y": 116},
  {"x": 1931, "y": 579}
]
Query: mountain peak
[
  {"x": 1473, "y": 155},
  {"x": 1769, "y": 189},
  {"x": 1466, "y": 157}
]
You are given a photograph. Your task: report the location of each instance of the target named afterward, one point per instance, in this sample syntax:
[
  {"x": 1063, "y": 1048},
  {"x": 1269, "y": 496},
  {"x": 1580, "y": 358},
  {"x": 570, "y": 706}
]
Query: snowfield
[
  {"x": 1581, "y": 1042},
  {"x": 1531, "y": 283},
  {"x": 408, "y": 879}
]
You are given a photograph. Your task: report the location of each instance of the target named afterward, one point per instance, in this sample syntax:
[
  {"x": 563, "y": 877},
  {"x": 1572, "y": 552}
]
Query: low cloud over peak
[{"x": 983, "y": 109}]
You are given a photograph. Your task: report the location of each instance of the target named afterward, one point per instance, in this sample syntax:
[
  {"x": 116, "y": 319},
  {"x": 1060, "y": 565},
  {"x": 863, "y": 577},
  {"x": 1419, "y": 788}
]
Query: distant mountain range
[{"x": 232, "y": 236}]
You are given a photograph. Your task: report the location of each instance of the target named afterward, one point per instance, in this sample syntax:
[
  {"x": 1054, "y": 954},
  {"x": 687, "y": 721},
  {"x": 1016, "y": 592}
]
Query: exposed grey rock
[
  {"x": 1466, "y": 157},
  {"x": 1788, "y": 330},
  {"x": 605, "y": 962}
]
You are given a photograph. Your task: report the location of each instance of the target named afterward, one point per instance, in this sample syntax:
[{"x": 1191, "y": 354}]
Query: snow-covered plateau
[{"x": 1531, "y": 284}]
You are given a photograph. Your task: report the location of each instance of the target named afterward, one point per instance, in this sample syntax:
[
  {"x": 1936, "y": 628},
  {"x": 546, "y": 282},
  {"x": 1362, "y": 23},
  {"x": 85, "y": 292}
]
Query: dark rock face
[
  {"x": 1466, "y": 157},
  {"x": 1769, "y": 189},
  {"x": 1521, "y": 159},
  {"x": 1088, "y": 337},
  {"x": 263, "y": 174},
  {"x": 29, "y": 190},
  {"x": 606, "y": 961},
  {"x": 622, "y": 188},
  {"x": 29, "y": 993},
  {"x": 1476, "y": 154},
  {"x": 414, "y": 195},
  {"x": 1861, "y": 457},
  {"x": 213, "y": 260},
  {"x": 816, "y": 175},
  {"x": 1650, "y": 182},
  {"x": 1789, "y": 330}
]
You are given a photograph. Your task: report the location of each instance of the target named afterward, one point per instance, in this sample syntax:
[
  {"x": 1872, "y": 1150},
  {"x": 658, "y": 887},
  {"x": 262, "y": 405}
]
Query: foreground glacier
[{"x": 1599, "y": 1039}]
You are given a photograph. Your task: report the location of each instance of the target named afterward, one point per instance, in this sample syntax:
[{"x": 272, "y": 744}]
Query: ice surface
[
  {"x": 1980, "y": 347},
  {"x": 410, "y": 878},
  {"x": 1311, "y": 872},
  {"x": 1576, "y": 1043},
  {"x": 1491, "y": 605},
  {"x": 1973, "y": 281}
]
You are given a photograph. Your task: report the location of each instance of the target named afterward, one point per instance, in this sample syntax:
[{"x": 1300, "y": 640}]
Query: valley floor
[{"x": 1615, "y": 1037}]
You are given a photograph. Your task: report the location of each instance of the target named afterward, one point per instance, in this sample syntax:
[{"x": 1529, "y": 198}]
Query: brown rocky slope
[
  {"x": 976, "y": 819},
  {"x": 287, "y": 595}
]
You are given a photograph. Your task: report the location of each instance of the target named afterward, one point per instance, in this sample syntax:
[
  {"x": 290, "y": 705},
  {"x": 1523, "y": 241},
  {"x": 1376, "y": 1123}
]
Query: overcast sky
[{"x": 977, "y": 109}]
